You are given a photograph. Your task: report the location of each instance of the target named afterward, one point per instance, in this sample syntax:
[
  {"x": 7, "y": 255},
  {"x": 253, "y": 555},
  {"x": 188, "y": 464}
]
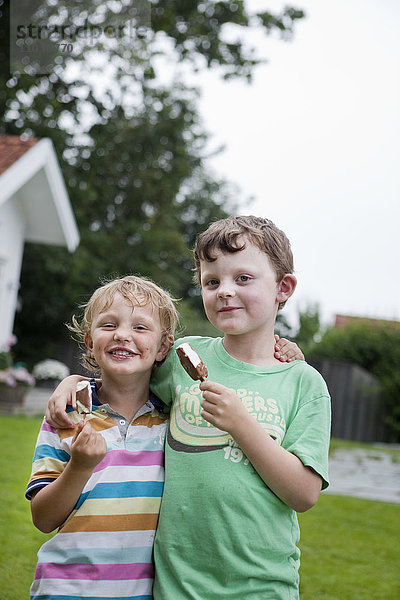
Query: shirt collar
[{"x": 152, "y": 403}]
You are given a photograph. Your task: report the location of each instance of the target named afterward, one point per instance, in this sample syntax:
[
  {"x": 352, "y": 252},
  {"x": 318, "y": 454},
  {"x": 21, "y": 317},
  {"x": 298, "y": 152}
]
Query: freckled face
[
  {"x": 240, "y": 292},
  {"x": 126, "y": 339}
]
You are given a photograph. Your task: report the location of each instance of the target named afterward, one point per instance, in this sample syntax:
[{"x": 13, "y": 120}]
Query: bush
[{"x": 376, "y": 348}]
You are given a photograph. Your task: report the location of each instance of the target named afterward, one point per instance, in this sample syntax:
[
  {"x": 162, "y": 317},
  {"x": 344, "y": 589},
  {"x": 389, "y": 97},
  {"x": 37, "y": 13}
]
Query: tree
[{"x": 131, "y": 148}]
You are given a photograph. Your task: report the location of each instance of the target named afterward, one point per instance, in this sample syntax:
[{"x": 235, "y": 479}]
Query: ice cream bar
[
  {"x": 192, "y": 362},
  {"x": 83, "y": 397}
]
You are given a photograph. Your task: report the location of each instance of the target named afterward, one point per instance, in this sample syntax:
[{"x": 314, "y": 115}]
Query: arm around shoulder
[{"x": 64, "y": 394}]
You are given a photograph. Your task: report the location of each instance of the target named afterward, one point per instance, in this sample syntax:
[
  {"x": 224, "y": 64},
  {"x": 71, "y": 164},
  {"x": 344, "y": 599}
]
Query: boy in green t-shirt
[{"x": 247, "y": 448}]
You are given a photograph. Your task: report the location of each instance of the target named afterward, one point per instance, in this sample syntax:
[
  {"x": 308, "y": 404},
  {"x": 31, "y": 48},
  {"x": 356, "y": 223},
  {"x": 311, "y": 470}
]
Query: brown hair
[
  {"x": 138, "y": 291},
  {"x": 231, "y": 234}
]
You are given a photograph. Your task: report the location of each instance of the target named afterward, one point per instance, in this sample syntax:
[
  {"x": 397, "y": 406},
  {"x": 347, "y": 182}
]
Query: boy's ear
[
  {"x": 88, "y": 341},
  {"x": 286, "y": 287},
  {"x": 164, "y": 348}
]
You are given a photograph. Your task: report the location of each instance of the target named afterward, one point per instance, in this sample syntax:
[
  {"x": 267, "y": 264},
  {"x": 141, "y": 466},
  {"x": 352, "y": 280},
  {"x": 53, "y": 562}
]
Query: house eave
[{"x": 49, "y": 220}]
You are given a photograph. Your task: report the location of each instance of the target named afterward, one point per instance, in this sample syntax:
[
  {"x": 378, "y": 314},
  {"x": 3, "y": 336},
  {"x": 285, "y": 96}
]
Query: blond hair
[
  {"x": 139, "y": 291},
  {"x": 231, "y": 234}
]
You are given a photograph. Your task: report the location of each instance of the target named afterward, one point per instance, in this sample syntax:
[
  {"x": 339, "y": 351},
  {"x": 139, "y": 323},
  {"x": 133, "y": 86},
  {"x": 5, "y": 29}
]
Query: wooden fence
[{"x": 357, "y": 404}]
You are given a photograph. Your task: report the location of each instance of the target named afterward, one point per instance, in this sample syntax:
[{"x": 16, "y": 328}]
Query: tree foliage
[
  {"x": 130, "y": 143},
  {"x": 309, "y": 327},
  {"x": 376, "y": 348}
]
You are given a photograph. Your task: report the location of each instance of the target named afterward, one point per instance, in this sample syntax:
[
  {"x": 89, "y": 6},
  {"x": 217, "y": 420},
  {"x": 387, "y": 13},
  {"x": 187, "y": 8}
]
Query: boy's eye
[
  {"x": 243, "y": 278},
  {"x": 211, "y": 282}
]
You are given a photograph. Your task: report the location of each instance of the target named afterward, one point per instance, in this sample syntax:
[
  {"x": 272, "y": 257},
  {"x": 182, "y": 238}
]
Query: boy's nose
[
  {"x": 122, "y": 333},
  {"x": 225, "y": 291}
]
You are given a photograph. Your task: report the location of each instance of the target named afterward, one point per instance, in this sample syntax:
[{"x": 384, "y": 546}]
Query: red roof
[
  {"x": 341, "y": 321},
  {"x": 12, "y": 148}
]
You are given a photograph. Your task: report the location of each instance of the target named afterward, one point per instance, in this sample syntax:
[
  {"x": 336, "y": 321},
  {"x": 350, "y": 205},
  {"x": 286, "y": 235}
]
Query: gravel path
[{"x": 373, "y": 474}]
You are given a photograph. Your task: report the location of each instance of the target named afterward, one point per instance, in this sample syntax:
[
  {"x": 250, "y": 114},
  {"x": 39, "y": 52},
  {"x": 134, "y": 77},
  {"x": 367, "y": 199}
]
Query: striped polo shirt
[{"x": 104, "y": 548}]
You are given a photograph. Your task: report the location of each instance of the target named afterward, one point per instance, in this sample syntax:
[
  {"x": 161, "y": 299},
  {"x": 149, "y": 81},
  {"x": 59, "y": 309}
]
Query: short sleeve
[
  {"x": 161, "y": 380},
  {"x": 308, "y": 434},
  {"x": 49, "y": 459}
]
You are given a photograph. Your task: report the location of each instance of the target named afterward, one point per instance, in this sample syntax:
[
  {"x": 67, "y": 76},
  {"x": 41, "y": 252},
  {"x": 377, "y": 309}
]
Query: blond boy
[{"x": 101, "y": 482}]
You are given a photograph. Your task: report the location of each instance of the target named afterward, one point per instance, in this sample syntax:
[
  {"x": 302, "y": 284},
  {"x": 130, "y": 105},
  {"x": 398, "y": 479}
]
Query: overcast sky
[{"x": 315, "y": 139}]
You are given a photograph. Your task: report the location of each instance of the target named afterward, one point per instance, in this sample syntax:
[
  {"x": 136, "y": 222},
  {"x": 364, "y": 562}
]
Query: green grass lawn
[
  {"x": 349, "y": 550},
  {"x": 19, "y": 539},
  {"x": 349, "y": 547}
]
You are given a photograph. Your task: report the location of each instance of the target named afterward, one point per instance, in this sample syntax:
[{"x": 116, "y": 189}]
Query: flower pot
[
  {"x": 11, "y": 398},
  {"x": 47, "y": 384}
]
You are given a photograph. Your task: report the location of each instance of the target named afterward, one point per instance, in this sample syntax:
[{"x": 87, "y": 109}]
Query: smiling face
[
  {"x": 126, "y": 339},
  {"x": 240, "y": 291}
]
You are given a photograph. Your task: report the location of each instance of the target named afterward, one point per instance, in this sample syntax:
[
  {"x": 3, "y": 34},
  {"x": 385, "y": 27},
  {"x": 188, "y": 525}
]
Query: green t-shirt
[{"x": 222, "y": 532}]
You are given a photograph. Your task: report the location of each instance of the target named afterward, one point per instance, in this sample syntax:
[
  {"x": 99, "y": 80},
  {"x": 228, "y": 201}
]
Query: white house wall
[
  {"x": 34, "y": 207},
  {"x": 12, "y": 232}
]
